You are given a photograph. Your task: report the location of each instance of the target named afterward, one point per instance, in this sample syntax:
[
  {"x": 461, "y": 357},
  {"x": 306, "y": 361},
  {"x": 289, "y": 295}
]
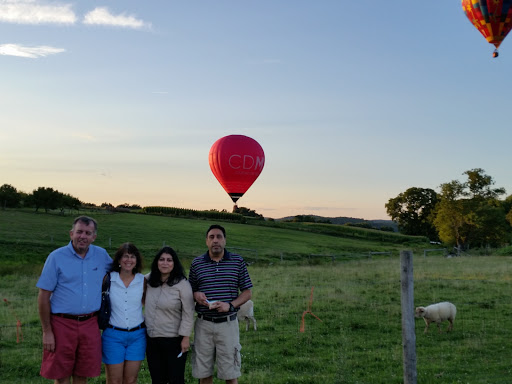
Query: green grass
[
  {"x": 358, "y": 339},
  {"x": 30, "y": 237}
]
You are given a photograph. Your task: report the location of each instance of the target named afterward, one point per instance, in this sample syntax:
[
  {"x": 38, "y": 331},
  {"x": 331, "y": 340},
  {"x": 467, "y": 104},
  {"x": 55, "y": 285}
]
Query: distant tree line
[
  {"x": 41, "y": 198},
  {"x": 50, "y": 199},
  {"x": 121, "y": 207},
  {"x": 350, "y": 223},
  {"x": 184, "y": 212},
  {"x": 462, "y": 214},
  {"x": 247, "y": 212}
]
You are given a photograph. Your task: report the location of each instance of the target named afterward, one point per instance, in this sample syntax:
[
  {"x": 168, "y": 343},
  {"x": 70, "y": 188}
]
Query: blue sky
[{"x": 353, "y": 102}]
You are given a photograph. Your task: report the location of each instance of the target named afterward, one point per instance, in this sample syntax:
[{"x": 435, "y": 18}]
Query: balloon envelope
[
  {"x": 236, "y": 161},
  {"x": 491, "y": 17}
]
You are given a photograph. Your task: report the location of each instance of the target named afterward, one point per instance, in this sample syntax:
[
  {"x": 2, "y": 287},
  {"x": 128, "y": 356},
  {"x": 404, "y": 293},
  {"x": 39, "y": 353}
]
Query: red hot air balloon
[
  {"x": 493, "y": 18},
  {"x": 236, "y": 161}
]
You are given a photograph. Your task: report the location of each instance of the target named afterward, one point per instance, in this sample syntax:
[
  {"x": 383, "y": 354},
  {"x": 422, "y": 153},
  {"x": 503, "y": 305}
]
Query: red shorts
[{"x": 77, "y": 349}]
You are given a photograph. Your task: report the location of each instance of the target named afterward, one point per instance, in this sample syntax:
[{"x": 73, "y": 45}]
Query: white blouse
[{"x": 126, "y": 302}]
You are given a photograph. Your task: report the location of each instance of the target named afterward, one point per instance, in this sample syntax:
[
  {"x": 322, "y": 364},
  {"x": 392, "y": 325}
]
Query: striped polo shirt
[{"x": 219, "y": 281}]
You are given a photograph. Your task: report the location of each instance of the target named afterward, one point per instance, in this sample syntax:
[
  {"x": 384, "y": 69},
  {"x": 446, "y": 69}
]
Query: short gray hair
[{"x": 86, "y": 220}]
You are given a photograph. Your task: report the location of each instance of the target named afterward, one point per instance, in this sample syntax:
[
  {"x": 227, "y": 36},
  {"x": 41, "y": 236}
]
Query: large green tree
[
  {"x": 69, "y": 202},
  {"x": 507, "y": 204},
  {"x": 47, "y": 198},
  {"x": 450, "y": 212},
  {"x": 9, "y": 196},
  {"x": 470, "y": 213},
  {"x": 412, "y": 210}
]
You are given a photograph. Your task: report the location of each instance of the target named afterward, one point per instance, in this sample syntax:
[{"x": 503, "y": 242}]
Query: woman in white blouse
[
  {"x": 124, "y": 341},
  {"x": 169, "y": 312}
]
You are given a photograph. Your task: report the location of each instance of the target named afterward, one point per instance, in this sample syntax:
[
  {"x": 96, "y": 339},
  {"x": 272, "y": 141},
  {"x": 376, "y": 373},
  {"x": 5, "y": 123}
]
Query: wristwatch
[{"x": 231, "y": 308}]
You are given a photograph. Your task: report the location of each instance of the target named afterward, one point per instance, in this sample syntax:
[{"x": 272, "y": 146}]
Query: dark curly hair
[
  {"x": 132, "y": 250},
  {"x": 177, "y": 273}
]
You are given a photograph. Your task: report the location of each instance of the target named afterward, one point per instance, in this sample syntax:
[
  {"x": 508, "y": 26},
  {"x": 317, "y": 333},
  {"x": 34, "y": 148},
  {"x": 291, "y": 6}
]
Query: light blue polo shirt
[{"x": 75, "y": 282}]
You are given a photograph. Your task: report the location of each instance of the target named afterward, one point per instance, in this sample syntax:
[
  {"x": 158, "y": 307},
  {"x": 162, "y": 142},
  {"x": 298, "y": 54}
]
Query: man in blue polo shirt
[
  {"x": 69, "y": 297},
  {"x": 221, "y": 284}
]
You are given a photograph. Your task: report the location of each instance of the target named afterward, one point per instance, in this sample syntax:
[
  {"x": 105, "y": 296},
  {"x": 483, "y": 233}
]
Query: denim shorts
[{"x": 119, "y": 346}]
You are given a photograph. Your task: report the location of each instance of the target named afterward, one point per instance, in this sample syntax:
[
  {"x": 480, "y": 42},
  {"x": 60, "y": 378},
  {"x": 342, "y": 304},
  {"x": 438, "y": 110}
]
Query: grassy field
[
  {"x": 357, "y": 299},
  {"x": 29, "y": 237}
]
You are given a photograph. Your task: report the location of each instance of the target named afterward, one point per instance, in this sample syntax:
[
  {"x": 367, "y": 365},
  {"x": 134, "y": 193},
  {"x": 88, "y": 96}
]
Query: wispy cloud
[
  {"x": 102, "y": 16},
  {"x": 28, "y": 52},
  {"x": 32, "y": 12},
  {"x": 37, "y": 12}
]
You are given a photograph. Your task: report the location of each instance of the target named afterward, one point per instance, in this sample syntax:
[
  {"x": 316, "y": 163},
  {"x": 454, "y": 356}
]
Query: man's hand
[
  {"x": 44, "y": 307},
  {"x": 49, "y": 341},
  {"x": 200, "y": 298},
  {"x": 220, "y": 306}
]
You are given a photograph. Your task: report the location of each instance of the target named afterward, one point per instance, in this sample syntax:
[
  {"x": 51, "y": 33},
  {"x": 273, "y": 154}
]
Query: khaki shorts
[{"x": 219, "y": 341}]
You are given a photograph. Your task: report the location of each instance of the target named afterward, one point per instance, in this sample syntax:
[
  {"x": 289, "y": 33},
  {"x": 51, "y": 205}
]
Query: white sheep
[
  {"x": 246, "y": 312},
  {"x": 437, "y": 313}
]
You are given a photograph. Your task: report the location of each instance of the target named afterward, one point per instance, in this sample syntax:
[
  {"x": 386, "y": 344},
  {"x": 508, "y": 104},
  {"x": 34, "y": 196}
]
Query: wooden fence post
[{"x": 408, "y": 330}]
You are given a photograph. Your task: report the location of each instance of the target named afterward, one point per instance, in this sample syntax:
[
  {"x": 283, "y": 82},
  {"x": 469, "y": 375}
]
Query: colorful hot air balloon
[
  {"x": 491, "y": 17},
  {"x": 236, "y": 161}
]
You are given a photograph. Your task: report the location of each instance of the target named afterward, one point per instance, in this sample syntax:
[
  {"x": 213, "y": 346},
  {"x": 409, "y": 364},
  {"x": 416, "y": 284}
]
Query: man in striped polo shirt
[{"x": 221, "y": 284}]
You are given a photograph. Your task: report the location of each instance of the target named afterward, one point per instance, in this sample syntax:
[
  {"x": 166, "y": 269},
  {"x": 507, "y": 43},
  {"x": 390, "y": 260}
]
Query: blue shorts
[{"x": 119, "y": 346}]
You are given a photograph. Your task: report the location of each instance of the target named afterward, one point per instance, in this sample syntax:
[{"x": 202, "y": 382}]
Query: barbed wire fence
[{"x": 287, "y": 299}]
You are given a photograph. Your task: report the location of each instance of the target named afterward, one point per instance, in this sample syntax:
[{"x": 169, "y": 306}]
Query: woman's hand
[{"x": 185, "y": 344}]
